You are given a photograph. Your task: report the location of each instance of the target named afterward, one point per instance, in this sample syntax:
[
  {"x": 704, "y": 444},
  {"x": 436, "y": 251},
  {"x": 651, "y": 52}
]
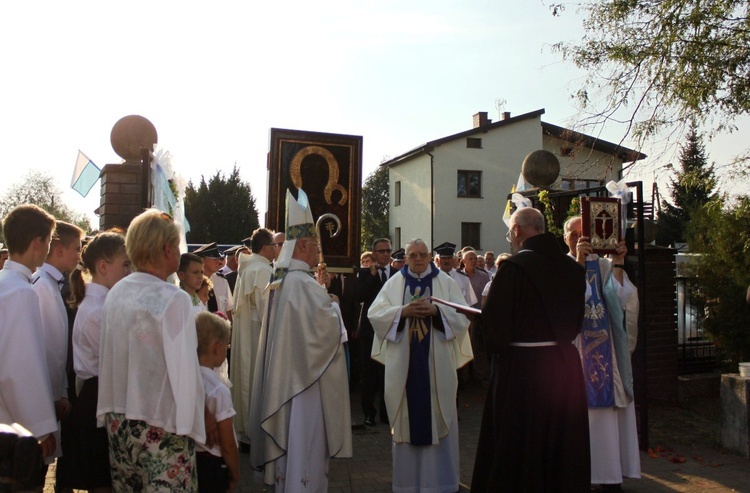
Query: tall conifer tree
[{"x": 690, "y": 189}]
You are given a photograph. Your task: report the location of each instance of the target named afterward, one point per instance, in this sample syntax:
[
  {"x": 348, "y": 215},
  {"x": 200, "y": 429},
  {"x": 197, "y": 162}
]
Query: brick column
[{"x": 121, "y": 195}]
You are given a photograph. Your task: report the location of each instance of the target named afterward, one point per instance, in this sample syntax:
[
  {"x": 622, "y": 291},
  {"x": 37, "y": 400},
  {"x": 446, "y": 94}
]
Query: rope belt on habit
[{"x": 534, "y": 344}]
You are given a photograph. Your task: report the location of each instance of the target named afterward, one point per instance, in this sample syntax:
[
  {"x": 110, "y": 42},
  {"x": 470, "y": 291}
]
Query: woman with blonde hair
[{"x": 151, "y": 398}]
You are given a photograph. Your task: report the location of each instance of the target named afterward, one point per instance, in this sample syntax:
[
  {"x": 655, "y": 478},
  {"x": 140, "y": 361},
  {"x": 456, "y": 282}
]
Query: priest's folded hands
[{"x": 420, "y": 308}]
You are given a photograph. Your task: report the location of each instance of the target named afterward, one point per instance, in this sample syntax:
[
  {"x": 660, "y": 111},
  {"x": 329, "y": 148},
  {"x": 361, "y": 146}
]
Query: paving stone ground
[{"x": 684, "y": 455}]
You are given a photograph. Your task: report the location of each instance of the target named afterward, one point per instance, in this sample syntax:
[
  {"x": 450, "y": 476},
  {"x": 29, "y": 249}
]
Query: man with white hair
[
  {"x": 608, "y": 337},
  {"x": 421, "y": 344},
  {"x": 534, "y": 434}
]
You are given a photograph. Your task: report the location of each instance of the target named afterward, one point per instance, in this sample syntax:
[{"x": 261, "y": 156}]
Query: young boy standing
[
  {"x": 218, "y": 467},
  {"x": 190, "y": 273},
  {"x": 64, "y": 255},
  {"x": 25, "y": 393}
]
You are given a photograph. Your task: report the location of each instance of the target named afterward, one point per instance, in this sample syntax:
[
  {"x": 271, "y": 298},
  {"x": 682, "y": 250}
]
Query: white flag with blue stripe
[{"x": 85, "y": 174}]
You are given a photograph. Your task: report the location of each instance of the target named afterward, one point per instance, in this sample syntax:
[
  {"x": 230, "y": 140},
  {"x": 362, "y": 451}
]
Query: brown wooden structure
[{"x": 328, "y": 167}]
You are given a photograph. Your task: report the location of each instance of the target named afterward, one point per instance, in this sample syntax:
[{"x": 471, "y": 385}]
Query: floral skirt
[{"x": 149, "y": 459}]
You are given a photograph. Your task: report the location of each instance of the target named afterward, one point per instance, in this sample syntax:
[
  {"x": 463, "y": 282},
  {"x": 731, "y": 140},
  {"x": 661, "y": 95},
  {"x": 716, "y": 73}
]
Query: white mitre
[{"x": 299, "y": 224}]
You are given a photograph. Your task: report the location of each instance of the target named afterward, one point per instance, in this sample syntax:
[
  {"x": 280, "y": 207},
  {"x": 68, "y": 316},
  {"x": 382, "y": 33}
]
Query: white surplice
[
  {"x": 300, "y": 410},
  {"x": 47, "y": 283},
  {"x": 25, "y": 391},
  {"x": 249, "y": 300},
  {"x": 432, "y": 468},
  {"x": 87, "y": 330}
]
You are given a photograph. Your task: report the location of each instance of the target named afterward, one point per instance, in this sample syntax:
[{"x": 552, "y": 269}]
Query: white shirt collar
[
  {"x": 17, "y": 267},
  {"x": 52, "y": 271}
]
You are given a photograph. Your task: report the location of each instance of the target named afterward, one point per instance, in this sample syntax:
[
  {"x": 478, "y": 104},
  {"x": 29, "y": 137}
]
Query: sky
[{"x": 214, "y": 78}]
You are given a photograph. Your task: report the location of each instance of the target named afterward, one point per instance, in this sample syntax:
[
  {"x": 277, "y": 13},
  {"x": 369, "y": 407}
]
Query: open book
[{"x": 466, "y": 310}]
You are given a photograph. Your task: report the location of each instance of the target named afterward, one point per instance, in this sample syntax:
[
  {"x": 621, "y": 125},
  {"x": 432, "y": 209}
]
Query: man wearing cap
[
  {"x": 230, "y": 270},
  {"x": 421, "y": 344},
  {"x": 249, "y": 301},
  {"x": 369, "y": 282},
  {"x": 300, "y": 411},
  {"x": 220, "y": 297},
  {"x": 446, "y": 253},
  {"x": 398, "y": 259},
  {"x": 534, "y": 434}
]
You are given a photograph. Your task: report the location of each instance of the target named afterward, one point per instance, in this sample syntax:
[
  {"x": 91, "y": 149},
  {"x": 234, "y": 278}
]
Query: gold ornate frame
[
  {"x": 328, "y": 167},
  {"x": 601, "y": 223}
]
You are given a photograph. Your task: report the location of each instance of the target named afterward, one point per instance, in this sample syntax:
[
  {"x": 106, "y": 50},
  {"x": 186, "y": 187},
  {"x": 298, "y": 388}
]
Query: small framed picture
[{"x": 601, "y": 223}]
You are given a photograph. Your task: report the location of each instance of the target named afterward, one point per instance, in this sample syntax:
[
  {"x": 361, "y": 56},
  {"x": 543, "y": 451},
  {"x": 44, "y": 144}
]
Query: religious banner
[
  {"x": 601, "y": 223},
  {"x": 328, "y": 167}
]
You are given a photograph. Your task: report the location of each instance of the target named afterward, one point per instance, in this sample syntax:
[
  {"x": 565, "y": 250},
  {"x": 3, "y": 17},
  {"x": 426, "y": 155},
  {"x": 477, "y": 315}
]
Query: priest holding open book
[{"x": 421, "y": 344}]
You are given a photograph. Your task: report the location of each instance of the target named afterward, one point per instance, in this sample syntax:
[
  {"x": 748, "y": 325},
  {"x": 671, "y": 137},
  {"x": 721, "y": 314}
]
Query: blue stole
[
  {"x": 418, "y": 395},
  {"x": 596, "y": 343}
]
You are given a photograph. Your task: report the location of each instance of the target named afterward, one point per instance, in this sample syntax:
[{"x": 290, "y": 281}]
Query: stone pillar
[
  {"x": 735, "y": 429},
  {"x": 121, "y": 195},
  {"x": 124, "y": 194}
]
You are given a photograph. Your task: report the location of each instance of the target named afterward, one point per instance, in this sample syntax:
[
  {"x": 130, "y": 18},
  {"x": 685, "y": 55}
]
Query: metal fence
[{"x": 696, "y": 348}]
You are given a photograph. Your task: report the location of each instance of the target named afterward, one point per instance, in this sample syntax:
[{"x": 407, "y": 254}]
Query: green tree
[
  {"x": 660, "y": 65},
  {"x": 40, "y": 189},
  {"x": 691, "y": 189},
  {"x": 722, "y": 274},
  {"x": 221, "y": 210},
  {"x": 375, "y": 206}
]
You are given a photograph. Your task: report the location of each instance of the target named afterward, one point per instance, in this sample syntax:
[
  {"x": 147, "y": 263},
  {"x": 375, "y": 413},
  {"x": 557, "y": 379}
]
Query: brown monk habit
[{"x": 534, "y": 434}]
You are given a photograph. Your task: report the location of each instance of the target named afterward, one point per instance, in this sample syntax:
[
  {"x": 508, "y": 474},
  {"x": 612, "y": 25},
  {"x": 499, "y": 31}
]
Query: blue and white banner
[{"x": 85, "y": 174}]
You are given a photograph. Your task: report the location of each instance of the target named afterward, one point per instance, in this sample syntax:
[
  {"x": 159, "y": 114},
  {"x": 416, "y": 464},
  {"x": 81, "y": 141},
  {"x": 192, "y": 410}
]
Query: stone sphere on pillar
[
  {"x": 130, "y": 134},
  {"x": 540, "y": 168}
]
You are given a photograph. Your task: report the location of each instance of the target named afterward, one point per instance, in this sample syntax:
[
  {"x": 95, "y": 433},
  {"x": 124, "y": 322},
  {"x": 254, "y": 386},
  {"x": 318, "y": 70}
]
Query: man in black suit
[{"x": 369, "y": 282}]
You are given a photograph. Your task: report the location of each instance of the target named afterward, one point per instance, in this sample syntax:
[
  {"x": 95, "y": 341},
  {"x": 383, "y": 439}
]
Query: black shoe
[{"x": 369, "y": 421}]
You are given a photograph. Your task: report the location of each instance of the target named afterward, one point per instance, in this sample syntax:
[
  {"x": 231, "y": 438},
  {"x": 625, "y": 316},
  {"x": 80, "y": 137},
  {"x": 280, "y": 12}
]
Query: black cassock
[{"x": 535, "y": 434}]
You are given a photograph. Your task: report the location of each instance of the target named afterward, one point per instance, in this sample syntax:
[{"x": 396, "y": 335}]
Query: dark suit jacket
[
  {"x": 368, "y": 287},
  {"x": 347, "y": 300},
  {"x": 232, "y": 279}
]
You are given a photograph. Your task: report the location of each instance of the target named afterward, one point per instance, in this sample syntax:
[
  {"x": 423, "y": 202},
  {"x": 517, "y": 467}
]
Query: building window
[
  {"x": 397, "y": 239},
  {"x": 470, "y": 235},
  {"x": 579, "y": 183},
  {"x": 397, "y": 194},
  {"x": 473, "y": 143},
  {"x": 469, "y": 184}
]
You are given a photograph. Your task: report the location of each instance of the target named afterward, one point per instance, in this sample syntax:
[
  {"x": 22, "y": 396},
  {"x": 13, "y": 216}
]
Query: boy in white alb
[
  {"x": 64, "y": 255},
  {"x": 218, "y": 467},
  {"x": 25, "y": 393}
]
